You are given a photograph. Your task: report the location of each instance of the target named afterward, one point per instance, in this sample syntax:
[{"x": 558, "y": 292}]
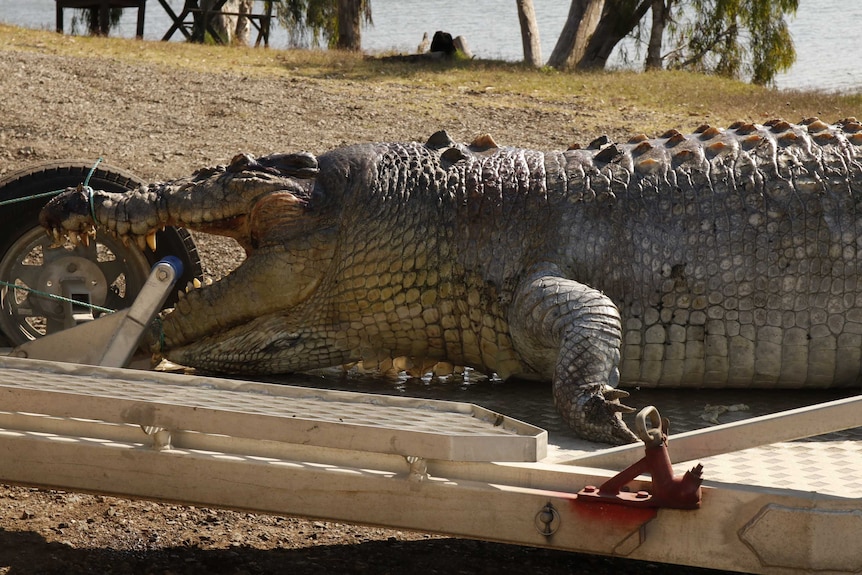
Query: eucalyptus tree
[
  {"x": 739, "y": 38},
  {"x": 330, "y": 23}
]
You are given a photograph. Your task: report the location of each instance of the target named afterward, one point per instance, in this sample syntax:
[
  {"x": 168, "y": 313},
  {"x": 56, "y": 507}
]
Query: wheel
[{"x": 106, "y": 274}]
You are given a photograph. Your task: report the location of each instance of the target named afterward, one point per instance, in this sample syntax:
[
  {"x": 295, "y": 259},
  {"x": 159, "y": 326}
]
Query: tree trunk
[
  {"x": 581, "y": 23},
  {"x": 529, "y": 33},
  {"x": 349, "y": 25},
  {"x": 619, "y": 18},
  {"x": 660, "y": 11}
]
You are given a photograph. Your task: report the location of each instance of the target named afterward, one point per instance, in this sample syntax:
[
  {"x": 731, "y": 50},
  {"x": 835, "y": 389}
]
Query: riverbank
[
  {"x": 820, "y": 29},
  {"x": 165, "y": 109}
]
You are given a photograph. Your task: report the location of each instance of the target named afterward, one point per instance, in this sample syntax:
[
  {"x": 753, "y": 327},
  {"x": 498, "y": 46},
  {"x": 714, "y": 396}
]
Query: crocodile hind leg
[{"x": 572, "y": 332}]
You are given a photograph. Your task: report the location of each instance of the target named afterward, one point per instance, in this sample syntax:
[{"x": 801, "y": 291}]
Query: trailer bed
[{"x": 436, "y": 466}]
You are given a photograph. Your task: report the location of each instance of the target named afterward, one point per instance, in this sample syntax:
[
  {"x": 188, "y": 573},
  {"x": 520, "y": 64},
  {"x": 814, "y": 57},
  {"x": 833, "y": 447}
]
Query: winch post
[
  {"x": 111, "y": 340},
  {"x": 144, "y": 309}
]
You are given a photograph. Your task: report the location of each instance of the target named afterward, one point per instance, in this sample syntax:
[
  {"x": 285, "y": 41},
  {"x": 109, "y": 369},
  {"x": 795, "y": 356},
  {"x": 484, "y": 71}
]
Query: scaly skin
[{"x": 725, "y": 258}]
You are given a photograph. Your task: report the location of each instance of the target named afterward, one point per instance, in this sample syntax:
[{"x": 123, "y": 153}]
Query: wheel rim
[{"x": 106, "y": 274}]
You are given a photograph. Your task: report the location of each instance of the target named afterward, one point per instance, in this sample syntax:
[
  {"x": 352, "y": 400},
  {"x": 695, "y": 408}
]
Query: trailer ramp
[{"x": 432, "y": 466}]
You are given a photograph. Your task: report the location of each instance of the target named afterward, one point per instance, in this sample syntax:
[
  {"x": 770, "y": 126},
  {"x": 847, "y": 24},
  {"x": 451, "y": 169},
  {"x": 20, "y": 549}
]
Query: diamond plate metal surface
[
  {"x": 316, "y": 406},
  {"x": 828, "y": 464},
  {"x": 831, "y": 467},
  {"x": 321, "y": 417}
]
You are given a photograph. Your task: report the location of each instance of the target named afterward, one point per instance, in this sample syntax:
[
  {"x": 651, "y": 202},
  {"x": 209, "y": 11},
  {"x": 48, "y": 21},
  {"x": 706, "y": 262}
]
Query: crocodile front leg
[{"x": 572, "y": 333}]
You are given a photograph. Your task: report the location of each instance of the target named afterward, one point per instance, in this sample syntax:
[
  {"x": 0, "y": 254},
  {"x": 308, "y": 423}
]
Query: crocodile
[{"x": 727, "y": 257}]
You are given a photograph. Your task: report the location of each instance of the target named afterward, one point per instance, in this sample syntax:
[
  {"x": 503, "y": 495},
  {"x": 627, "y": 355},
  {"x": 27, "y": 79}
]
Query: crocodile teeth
[
  {"x": 402, "y": 363},
  {"x": 56, "y": 238},
  {"x": 385, "y": 365},
  {"x": 443, "y": 368},
  {"x": 194, "y": 284},
  {"x": 73, "y": 237},
  {"x": 151, "y": 241},
  {"x": 142, "y": 242},
  {"x": 85, "y": 239},
  {"x": 183, "y": 305}
]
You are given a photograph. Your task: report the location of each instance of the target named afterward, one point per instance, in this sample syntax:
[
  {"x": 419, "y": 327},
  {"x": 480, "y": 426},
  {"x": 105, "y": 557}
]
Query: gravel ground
[{"x": 160, "y": 123}]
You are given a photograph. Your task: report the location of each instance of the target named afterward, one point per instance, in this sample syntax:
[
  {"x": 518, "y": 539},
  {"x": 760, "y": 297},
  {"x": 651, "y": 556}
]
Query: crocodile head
[{"x": 258, "y": 318}]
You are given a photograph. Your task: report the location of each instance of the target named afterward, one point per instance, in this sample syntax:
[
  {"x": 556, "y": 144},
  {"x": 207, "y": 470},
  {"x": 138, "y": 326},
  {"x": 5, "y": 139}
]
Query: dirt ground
[{"x": 161, "y": 123}]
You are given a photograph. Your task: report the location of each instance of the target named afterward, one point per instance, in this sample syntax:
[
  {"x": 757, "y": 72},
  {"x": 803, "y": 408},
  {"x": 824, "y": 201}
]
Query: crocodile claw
[
  {"x": 596, "y": 415},
  {"x": 613, "y": 394}
]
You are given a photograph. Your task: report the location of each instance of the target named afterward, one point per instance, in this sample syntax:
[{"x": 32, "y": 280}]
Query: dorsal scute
[
  {"x": 674, "y": 150},
  {"x": 483, "y": 143},
  {"x": 438, "y": 140}
]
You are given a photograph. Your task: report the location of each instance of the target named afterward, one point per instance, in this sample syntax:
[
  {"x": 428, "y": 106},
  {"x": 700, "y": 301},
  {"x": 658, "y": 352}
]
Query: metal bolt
[
  {"x": 547, "y": 520},
  {"x": 590, "y": 489},
  {"x": 72, "y": 267},
  {"x": 162, "y": 275}
]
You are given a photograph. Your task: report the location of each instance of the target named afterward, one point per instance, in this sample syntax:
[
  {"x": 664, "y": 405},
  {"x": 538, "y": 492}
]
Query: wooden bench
[
  {"x": 104, "y": 7},
  {"x": 202, "y": 20}
]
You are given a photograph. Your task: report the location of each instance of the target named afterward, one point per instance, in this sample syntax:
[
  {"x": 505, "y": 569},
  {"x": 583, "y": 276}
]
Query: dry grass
[{"x": 654, "y": 99}]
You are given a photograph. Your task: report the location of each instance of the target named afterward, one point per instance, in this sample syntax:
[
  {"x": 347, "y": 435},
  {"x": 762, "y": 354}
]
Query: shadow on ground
[{"x": 28, "y": 553}]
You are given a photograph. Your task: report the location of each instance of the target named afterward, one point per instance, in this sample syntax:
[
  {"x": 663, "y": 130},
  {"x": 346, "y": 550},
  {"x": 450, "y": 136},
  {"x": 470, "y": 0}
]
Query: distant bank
[{"x": 824, "y": 31}]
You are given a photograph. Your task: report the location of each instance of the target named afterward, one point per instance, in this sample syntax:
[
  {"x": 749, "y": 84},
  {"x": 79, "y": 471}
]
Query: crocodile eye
[
  {"x": 241, "y": 162},
  {"x": 204, "y": 173},
  {"x": 301, "y": 165}
]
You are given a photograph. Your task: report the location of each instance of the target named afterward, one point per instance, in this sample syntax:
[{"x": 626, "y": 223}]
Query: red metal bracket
[{"x": 667, "y": 490}]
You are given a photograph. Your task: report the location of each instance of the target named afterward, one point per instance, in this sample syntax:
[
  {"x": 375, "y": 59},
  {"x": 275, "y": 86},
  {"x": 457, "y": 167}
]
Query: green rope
[
  {"x": 57, "y": 297},
  {"x": 58, "y": 192},
  {"x": 89, "y": 191},
  {"x": 161, "y": 327},
  {"x": 33, "y": 197},
  {"x": 90, "y": 175}
]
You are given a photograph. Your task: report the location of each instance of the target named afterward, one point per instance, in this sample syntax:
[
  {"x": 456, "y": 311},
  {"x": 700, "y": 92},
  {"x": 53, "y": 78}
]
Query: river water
[{"x": 829, "y": 52}]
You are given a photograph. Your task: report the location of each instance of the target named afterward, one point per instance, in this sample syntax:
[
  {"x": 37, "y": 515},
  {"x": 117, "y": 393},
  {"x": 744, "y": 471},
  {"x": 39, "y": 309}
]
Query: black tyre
[{"x": 106, "y": 273}]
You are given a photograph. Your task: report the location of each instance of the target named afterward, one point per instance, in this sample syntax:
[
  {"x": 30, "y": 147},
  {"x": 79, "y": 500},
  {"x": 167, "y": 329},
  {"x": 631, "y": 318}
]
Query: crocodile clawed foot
[{"x": 597, "y": 415}]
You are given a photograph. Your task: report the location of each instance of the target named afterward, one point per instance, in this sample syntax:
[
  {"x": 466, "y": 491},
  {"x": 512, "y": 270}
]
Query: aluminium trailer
[{"x": 434, "y": 466}]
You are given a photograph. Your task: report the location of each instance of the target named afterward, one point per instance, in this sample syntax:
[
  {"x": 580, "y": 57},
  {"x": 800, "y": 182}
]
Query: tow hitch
[{"x": 667, "y": 490}]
